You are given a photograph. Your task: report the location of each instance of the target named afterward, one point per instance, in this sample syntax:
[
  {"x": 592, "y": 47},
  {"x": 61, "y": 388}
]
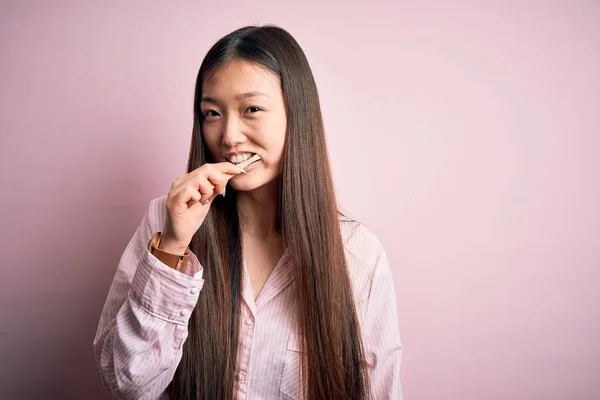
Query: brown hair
[{"x": 334, "y": 368}]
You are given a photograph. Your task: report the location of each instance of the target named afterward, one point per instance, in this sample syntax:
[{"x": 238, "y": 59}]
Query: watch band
[{"x": 177, "y": 262}]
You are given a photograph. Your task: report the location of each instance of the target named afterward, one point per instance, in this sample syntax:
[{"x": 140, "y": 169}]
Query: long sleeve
[
  {"x": 143, "y": 325},
  {"x": 382, "y": 338}
]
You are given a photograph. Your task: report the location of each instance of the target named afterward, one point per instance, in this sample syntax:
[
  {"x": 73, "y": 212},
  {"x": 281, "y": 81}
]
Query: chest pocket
[{"x": 291, "y": 385}]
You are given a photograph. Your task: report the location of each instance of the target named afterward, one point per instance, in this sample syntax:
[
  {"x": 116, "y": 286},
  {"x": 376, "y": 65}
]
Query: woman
[{"x": 267, "y": 291}]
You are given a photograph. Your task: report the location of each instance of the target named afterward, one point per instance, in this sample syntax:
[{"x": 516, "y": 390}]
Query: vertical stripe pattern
[{"x": 143, "y": 325}]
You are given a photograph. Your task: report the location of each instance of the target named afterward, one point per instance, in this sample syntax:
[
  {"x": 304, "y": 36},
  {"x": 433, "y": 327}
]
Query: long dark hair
[{"x": 334, "y": 368}]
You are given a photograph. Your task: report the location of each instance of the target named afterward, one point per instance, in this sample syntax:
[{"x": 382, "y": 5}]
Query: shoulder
[{"x": 365, "y": 255}]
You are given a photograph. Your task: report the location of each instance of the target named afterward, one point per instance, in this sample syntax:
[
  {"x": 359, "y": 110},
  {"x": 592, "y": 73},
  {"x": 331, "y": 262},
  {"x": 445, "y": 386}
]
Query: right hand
[{"x": 189, "y": 200}]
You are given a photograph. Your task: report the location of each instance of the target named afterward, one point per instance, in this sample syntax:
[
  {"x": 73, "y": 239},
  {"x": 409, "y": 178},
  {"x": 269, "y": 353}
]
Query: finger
[
  {"x": 179, "y": 200},
  {"x": 229, "y": 168},
  {"x": 219, "y": 180},
  {"x": 219, "y": 175},
  {"x": 178, "y": 184},
  {"x": 209, "y": 201},
  {"x": 206, "y": 189},
  {"x": 195, "y": 197},
  {"x": 193, "y": 192},
  {"x": 208, "y": 178},
  {"x": 187, "y": 195}
]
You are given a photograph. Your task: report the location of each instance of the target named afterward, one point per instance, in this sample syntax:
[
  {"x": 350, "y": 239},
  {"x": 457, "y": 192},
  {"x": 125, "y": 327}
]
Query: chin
[
  {"x": 245, "y": 187},
  {"x": 247, "y": 183}
]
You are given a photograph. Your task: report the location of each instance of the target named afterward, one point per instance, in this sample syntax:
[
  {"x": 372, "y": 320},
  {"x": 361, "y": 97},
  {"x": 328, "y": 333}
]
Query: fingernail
[
  {"x": 242, "y": 171},
  {"x": 205, "y": 202}
]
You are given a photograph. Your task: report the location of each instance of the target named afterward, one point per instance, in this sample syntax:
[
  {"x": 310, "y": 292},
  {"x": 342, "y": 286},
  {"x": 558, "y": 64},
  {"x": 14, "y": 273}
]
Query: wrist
[
  {"x": 170, "y": 246},
  {"x": 171, "y": 255}
]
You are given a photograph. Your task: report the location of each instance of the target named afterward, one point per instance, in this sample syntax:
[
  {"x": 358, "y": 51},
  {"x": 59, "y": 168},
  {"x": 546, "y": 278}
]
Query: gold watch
[{"x": 177, "y": 262}]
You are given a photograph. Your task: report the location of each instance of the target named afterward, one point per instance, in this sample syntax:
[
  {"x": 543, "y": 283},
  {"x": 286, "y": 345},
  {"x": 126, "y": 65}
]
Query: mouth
[
  {"x": 243, "y": 160},
  {"x": 239, "y": 158}
]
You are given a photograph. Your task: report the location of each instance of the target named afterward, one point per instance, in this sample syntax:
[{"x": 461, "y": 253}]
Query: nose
[{"x": 232, "y": 134}]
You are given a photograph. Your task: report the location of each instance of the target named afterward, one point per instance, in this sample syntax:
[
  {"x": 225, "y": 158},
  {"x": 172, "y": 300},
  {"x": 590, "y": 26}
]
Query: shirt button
[
  {"x": 194, "y": 290},
  {"x": 184, "y": 313},
  {"x": 248, "y": 322}
]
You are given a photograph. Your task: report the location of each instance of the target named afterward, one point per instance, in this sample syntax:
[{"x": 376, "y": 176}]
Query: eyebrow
[{"x": 208, "y": 99}]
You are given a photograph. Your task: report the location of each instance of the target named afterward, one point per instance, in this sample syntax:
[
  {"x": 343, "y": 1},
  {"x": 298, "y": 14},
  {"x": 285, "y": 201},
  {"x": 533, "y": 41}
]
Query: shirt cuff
[{"x": 164, "y": 292}]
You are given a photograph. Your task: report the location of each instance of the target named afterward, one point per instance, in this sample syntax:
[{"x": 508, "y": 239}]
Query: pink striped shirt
[{"x": 144, "y": 322}]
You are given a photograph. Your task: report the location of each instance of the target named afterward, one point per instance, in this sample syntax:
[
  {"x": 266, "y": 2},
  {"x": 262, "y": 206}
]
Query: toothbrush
[{"x": 249, "y": 161}]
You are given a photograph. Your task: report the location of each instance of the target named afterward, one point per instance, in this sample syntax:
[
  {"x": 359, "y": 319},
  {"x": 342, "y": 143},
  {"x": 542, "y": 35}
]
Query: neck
[{"x": 258, "y": 211}]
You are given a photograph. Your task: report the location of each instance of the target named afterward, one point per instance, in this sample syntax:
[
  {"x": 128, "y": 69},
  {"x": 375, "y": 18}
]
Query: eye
[
  {"x": 253, "y": 109},
  {"x": 210, "y": 114}
]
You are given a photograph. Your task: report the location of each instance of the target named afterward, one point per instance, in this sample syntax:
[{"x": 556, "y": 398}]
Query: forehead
[{"x": 240, "y": 77}]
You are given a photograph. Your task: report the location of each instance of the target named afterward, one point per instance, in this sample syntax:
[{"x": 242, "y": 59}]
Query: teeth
[{"x": 238, "y": 158}]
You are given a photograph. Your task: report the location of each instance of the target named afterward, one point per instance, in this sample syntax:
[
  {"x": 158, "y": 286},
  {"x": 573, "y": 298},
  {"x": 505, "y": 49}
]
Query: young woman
[{"x": 263, "y": 290}]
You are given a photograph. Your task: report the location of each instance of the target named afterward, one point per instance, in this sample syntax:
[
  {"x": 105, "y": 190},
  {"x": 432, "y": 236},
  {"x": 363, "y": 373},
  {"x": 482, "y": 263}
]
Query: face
[{"x": 244, "y": 114}]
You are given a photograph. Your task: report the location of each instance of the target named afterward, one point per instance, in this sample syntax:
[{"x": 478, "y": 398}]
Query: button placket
[{"x": 246, "y": 351}]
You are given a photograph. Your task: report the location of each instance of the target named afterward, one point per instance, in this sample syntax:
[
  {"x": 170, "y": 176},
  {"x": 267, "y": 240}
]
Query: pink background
[{"x": 466, "y": 135}]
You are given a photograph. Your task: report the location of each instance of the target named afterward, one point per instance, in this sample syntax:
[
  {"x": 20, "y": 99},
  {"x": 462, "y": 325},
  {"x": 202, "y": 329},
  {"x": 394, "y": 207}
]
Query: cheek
[
  {"x": 273, "y": 144},
  {"x": 279, "y": 142},
  {"x": 211, "y": 141},
  {"x": 274, "y": 141}
]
